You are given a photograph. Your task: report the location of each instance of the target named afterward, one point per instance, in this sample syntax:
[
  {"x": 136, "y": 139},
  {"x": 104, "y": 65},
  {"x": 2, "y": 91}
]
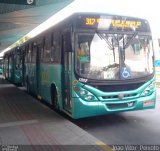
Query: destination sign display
[{"x": 112, "y": 23}]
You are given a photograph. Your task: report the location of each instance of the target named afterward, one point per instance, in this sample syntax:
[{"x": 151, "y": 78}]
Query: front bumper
[{"x": 86, "y": 109}]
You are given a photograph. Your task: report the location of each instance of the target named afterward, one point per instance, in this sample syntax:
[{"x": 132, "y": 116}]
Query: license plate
[{"x": 148, "y": 103}]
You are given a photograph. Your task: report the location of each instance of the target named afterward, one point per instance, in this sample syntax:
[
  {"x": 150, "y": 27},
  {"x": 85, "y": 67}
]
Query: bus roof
[{"x": 68, "y": 10}]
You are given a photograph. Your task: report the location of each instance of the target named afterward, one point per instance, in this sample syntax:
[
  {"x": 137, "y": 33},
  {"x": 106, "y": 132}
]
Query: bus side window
[
  {"x": 42, "y": 53},
  {"x": 55, "y": 51},
  {"x": 42, "y": 50},
  {"x": 34, "y": 52},
  {"x": 17, "y": 60},
  {"x": 29, "y": 53},
  {"x": 25, "y": 54},
  {"x": 47, "y": 48},
  {"x": 52, "y": 47}
]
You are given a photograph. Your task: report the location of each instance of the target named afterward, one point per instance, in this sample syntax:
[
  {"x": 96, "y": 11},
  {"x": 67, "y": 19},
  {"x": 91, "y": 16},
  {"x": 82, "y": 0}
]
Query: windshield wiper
[
  {"x": 130, "y": 40},
  {"x": 108, "y": 42},
  {"x": 110, "y": 45}
]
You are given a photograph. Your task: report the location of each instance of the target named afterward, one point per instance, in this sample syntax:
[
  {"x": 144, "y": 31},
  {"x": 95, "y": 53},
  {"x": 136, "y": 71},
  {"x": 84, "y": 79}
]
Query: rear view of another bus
[{"x": 12, "y": 66}]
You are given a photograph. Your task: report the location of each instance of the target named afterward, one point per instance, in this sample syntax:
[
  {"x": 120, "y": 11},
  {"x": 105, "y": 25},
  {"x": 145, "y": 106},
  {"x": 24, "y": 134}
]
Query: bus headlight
[
  {"x": 152, "y": 85},
  {"x": 89, "y": 97},
  {"x": 84, "y": 94},
  {"x": 146, "y": 92},
  {"x": 149, "y": 89}
]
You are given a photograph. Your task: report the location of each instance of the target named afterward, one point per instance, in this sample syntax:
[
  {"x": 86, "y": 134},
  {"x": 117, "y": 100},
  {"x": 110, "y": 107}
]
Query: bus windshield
[{"x": 107, "y": 56}]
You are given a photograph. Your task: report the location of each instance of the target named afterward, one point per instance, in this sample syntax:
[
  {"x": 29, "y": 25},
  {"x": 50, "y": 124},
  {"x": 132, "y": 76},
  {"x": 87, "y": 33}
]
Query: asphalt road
[{"x": 128, "y": 128}]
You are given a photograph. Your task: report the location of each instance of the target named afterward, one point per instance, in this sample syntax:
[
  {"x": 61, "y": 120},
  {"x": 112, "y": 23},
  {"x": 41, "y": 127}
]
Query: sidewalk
[{"x": 27, "y": 123}]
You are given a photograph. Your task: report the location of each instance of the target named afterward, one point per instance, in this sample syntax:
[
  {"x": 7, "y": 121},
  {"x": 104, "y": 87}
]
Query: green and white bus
[
  {"x": 91, "y": 64},
  {"x": 13, "y": 66}
]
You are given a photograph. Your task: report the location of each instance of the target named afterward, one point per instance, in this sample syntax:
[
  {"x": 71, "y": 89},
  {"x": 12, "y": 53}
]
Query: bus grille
[
  {"x": 117, "y": 88},
  {"x": 120, "y": 105},
  {"x": 116, "y": 96}
]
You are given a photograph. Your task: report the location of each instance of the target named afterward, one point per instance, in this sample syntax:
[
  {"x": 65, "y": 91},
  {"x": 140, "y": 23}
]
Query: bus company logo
[
  {"x": 130, "y": 104},
  {"x": 121, "y": 96}
]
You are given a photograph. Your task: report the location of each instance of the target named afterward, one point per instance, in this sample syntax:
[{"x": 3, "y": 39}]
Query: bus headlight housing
[
  {"x": 149, "y": 90},
  {"x": 89, "y": 97},
  {"x": 84, "y": 94}
]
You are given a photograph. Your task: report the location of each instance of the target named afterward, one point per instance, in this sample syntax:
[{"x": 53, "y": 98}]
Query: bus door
[
  {"x": 67, "y": 62},
  {"x": 38, "y": 68},
  {"x": 23, "y": 66},
  {"x": 34, "y": 77}
]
